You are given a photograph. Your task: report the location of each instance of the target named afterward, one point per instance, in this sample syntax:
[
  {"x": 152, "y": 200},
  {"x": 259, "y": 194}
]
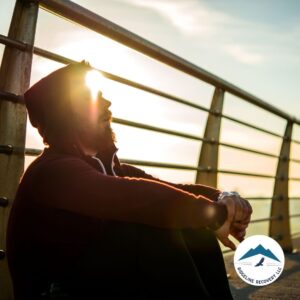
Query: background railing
[{"x": 14, "y": 80}]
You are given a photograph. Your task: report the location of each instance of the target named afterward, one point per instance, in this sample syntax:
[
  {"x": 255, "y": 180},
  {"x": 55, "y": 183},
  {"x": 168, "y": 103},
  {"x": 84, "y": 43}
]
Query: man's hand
[
  {"x": 239, "y": 213},
  {"x": 223, "y": 232},
  {"x": 243, "y": 209},
  {"x": 241, "y": 219},
  {"x": 238, "y": 230}
]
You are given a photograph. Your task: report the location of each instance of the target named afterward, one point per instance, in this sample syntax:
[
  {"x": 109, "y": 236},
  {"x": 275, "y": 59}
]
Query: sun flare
[{"x": 94, "y": 80}]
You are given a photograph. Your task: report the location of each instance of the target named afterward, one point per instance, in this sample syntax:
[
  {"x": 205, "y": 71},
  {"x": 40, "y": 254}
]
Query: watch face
[{"x": 227, "y": 194}]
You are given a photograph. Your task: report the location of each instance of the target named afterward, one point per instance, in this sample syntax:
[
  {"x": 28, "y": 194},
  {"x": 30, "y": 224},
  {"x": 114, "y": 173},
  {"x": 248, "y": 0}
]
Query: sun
[{"x": 95, "y": 81}]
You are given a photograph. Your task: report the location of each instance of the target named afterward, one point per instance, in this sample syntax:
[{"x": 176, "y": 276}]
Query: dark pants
[{"x": 133, "y": 261}]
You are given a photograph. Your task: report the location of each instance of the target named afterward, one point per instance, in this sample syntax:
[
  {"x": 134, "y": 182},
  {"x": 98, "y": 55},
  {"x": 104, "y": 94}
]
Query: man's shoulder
[{"x": 52, "y": 161}]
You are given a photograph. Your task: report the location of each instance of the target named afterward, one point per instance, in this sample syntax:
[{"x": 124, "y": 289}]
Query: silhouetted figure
[{"x": 85, "y": 226}]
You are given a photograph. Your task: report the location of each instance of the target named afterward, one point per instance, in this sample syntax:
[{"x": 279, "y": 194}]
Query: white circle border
[{"x": 259, "y": 271}]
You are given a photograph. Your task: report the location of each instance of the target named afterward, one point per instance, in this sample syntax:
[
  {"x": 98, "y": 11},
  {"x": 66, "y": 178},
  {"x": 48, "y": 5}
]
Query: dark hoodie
[{"x": 65, "y": 198}]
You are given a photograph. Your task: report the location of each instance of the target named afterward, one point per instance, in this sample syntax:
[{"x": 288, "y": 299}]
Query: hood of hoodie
[{"x": 49, "y": 109}]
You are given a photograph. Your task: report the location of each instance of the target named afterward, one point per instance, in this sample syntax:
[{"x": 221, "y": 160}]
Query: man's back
[{"x": 43, "y": 242}]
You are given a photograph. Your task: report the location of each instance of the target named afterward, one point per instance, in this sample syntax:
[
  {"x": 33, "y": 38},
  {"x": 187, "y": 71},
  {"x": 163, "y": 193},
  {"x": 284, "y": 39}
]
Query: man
[{"x": 94, "y": 228}]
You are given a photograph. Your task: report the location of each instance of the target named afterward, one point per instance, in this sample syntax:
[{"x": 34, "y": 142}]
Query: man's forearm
[
  {"x": 196, "y": 189},
  {"x": 199, "y": 189}
]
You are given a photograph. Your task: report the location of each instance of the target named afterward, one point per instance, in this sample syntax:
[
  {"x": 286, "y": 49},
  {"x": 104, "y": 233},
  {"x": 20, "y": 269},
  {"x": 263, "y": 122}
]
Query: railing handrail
[{"x": 91, "y": 20}]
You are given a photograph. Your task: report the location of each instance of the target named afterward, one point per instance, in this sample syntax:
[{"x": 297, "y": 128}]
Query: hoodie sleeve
[
  {"x": 196, "y": 189},
  {"x": 73, "y": 185}
]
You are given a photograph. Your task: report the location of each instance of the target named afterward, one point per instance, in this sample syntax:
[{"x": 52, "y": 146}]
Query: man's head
[{"x": 62, "y": 107}]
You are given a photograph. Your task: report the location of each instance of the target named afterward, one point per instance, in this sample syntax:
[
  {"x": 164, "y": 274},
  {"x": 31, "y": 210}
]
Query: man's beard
[{"x": 106, "y": 138}]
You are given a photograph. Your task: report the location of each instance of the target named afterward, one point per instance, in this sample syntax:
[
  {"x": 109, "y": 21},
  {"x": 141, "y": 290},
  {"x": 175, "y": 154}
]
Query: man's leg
[
  {"x": 139, "y": 262},
  {"x": 207, "y": 255},
  {"x": 108, "y": 269},
  {"x": 167, "y": 268}
]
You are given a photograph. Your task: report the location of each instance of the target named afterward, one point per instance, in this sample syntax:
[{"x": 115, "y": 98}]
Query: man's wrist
[{"x": 219, "y": 217}]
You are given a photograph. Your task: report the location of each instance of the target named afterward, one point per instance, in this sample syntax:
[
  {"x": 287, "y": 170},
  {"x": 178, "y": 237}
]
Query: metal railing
[
  {"x": 20, "y": 40},
  {"x": 90, "y": 20}
]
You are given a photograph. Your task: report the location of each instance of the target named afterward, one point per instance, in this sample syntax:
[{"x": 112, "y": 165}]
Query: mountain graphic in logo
[{"x": 259, "y": 250}]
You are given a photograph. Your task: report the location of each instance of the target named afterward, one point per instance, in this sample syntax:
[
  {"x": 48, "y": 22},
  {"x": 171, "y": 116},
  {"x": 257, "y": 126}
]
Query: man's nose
[
  {"x": 106, "y": 103},
  {"x": 103, "y": 101}
]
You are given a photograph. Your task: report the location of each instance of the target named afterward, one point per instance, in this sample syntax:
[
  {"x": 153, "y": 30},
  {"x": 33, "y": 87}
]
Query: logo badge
[{"x": 259, "y": 260}]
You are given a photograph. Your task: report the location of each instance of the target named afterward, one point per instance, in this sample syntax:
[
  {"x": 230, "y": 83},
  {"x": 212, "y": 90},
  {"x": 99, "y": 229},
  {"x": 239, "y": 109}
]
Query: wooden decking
[{"x": 286, "y": 287}]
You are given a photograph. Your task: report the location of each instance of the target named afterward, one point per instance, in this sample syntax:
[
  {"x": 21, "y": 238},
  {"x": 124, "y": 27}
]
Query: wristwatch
[{"x": 227, "y": 194}]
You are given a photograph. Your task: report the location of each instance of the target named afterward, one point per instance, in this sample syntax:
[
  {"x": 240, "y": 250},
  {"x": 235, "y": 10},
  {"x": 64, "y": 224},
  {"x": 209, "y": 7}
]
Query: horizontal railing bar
[
  {"x": 33, "y": 152},
  {"x": 62, "y": 59},
  {"x": 14, "y": 43},
  {"x": 161, "y": 165},
  {"x": 11, "y": 97},
  {"x": 53, "y": 56},
  {"x": 250, "y": 125},
  {"x": 295, "y": 141},
  {"x": 294, "y": 178},
  {"x": 65, "y": 60},
  {"x": 245, "y": 174},
  {"x": 171, "y": 166},
  {"x": 156, "y": 129},
  {"x": 259, "y": 198},
  {"x": 183, "y": 135},
  {"x": 270, "y": 198},
  {"x": 295, "y": 233},
  {"x": 247, "y": 149},
  {"x": 9, "y": 150},
  {"x": 153, "y": 91},
  {"x": 164, "y": 165},
  {"x": 295, "y": 216},
  {"x": 295, "y": 160},
  {"x": 188, "y": 136},
  {"x": 6, "y": 149},
  {"x": 265, "y": 219},
  {"x": 91, "y": 20}
]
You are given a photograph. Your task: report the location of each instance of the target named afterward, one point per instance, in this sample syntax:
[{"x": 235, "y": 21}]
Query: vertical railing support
[
  {"x": 14, "y": 78},
  {"x": 208, "y": 160},
  {"x": 280, "y": 224}
]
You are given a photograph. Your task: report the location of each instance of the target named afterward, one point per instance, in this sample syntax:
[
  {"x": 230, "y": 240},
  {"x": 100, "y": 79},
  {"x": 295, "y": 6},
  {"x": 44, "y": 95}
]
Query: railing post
[
  {"x": 280, "y": 225},
  {"x": 14, "y": 78},
  {"x": 208, "y": 160}
]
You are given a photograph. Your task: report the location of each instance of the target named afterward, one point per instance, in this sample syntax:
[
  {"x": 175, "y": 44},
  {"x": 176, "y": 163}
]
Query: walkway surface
[{"x": 287, "y": 287}]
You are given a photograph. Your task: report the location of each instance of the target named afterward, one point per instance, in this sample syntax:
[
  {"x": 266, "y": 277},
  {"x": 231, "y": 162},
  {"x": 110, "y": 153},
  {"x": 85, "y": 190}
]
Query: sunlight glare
[{"x": 94, "y": 80}]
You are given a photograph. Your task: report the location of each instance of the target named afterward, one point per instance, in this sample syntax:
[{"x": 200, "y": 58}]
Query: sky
[{"x": 252, "y": 44}]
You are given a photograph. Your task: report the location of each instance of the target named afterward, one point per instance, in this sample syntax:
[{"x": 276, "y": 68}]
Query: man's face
[{"x": 91, "y": 114}]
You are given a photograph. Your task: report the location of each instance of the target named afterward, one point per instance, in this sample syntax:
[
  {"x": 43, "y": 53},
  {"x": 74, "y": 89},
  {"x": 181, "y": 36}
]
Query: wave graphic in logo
[{"x": 259, "y": 250}]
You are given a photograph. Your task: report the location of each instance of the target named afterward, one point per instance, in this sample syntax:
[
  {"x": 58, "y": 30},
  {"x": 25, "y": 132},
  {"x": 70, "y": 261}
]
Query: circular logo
[{"x": 259, "y": 260}]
